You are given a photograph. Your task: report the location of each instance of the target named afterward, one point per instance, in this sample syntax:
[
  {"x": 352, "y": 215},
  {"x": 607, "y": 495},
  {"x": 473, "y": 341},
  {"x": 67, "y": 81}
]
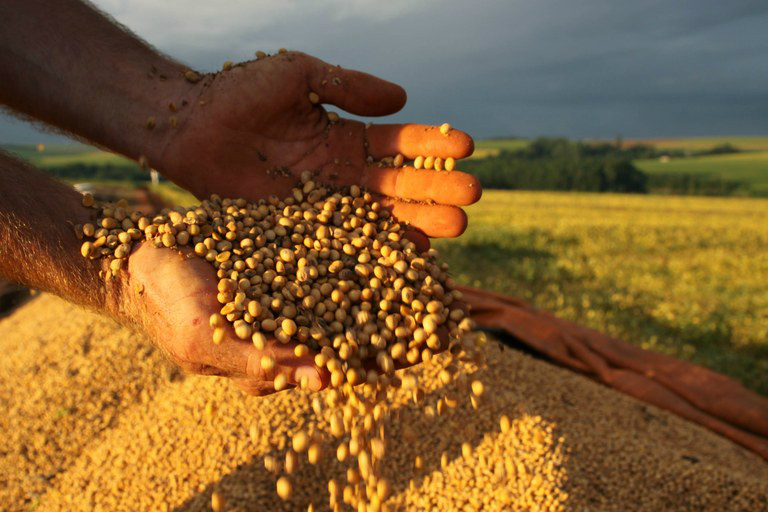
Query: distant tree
[
  {"x": 721, "y": 149},
  {"x": 102, "y": 172},
  {"x": 560, "y": 164}
]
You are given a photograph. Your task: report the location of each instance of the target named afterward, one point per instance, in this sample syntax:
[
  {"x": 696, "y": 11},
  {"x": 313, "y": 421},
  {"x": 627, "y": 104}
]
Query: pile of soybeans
[{"x": 96, "y": 419}]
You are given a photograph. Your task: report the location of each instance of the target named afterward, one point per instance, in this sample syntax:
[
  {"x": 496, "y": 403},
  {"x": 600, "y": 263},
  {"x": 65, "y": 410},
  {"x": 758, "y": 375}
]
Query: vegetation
[
  {"x": 681, "y": 275},
  {"x": 697, "y": 166},
  {"x": 65, "y": 154},
  {"x": 492, "y": 147},
  {"x": 559, "y": 164},
  {"x": 745, "y": 173},
  {"x": 100, "y": 172},
  {"x": 693, "y": 144}
]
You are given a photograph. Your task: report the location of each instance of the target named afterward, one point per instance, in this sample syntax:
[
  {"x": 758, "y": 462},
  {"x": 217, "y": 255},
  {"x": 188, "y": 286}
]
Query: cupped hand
[
  {"x": 252, "y": 130},
  {"x": 172, "y": 296}
]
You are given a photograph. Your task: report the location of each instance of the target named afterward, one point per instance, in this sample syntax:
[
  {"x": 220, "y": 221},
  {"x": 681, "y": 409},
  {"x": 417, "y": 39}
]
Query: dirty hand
[{"x": 251, "y": 130}]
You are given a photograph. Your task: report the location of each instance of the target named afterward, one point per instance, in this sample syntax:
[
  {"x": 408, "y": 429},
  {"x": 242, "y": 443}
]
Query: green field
[
  {"x": 682, "y": 275},
  {"x": 488, "y": 147},
  {"x": 65, "y": 154},
  {"x": 491, "y": 147},
  {"x": 750, "y": 168},
  {"x": 71, "y": 154},
  {"x": 746, "y": 143}
]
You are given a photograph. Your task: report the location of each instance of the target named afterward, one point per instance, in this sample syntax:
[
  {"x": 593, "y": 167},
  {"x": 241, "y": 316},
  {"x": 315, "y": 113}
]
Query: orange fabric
[{"x": 697, "y": 394}]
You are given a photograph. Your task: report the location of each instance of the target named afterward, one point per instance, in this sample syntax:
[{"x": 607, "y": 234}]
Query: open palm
[{"x": 253, "y": 130}]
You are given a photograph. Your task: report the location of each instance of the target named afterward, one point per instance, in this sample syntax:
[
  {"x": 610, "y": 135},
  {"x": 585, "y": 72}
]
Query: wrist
[
  {"x": 124, "y": 292},
  {"x": 167, "y": 146},
  {"x": 156, "y": 113},
  {"x": 107, "y": 293}
]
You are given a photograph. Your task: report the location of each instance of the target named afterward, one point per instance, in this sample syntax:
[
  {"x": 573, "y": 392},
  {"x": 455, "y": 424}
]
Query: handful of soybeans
[{"x": 332, "y": 272}]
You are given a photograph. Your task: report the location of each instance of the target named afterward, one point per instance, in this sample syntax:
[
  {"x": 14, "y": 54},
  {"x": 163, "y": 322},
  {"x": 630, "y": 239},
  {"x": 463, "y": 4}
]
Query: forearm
[
  {"x": 64, "y": 63},
  {"x": 38, "y": 246}
]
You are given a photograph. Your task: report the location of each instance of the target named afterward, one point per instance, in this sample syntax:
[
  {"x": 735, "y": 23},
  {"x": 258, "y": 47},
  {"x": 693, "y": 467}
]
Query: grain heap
[
  {"x": 95, "y": 419},
  {"x": 332, "y": 272}
]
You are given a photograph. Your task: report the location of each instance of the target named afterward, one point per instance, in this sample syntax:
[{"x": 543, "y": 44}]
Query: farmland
[
  {"x": 746, "y": 170},
  {"x": 491, "y": 147},
  {"x": 745, "y": 143},
  {"x": 681, "y": 275},
  {"x": 65, "y": 154},
  {"x": 692, "y": 144},
  {"x": 749, "y": 168}
]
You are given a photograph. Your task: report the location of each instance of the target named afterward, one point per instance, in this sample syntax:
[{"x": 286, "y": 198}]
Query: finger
[
  {"x": 253, "y": 387},
  {"x": 354, "y": 91},
  {"x": 242, "y": 359},
  {"x": 453, "y": 188},
  {"x": 412, "y": 140},
  {"x": 418, "y": 238},
  {"x": 434, "y": 220}
]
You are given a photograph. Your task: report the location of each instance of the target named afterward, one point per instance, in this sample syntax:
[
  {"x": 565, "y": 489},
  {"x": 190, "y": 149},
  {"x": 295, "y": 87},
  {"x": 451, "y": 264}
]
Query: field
[
  {"x": 749, "y": 167},
  {"x": 65, "y": 154},
  {"x": 681, "y": 275},
  {"x": 490, "y": 147},
  {"x": 74, "y": 154},
  {"x": 745, "y": 143}
]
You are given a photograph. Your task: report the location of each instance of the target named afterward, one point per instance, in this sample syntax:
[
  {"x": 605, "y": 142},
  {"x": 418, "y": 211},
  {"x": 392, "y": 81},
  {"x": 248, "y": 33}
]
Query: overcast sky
[{"x": 579, "y": 68}]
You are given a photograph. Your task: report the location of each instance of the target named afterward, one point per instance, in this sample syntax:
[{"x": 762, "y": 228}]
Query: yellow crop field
[{"x": 685, "y": 276}]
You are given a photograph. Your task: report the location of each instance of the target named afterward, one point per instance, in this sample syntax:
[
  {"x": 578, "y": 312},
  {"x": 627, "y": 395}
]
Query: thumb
[
  {"x": 263, "y": 366},
  {"x": 258, "y": 368}
]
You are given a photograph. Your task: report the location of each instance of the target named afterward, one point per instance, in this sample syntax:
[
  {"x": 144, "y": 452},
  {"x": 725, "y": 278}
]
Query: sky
[{"x": 499, "y": 68}]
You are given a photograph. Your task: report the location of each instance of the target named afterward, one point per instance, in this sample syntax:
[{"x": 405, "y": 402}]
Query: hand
[
  {"x": 252, "y": 130},
  {"x": 172, "y": 298}
]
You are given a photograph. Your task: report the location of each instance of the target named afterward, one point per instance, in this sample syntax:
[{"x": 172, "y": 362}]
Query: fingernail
[{"x": 310, "y": 376}]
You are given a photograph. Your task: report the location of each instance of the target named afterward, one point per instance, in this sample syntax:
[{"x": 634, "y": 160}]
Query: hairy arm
[
  {"x": 38, "y": 245},
  {"x": 64, "y": 63},
  {"x": 248, "y": 131}
]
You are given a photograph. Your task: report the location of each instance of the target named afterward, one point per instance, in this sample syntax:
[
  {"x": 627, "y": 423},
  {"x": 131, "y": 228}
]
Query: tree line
[
  {"x": 100, "y": 172},
  {"x": 562, "y": 164}
]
